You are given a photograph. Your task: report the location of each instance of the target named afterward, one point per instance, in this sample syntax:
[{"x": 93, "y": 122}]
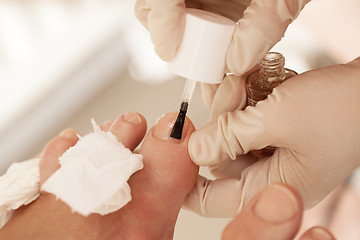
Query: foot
[{"x": 158, "y": 190}]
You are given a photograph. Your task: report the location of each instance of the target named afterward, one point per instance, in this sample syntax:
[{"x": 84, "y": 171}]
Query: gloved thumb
[
  {"x": 165, "y": 21},
  {"x": 234, "y": 133},
  {"x": 276, "y": 210}
]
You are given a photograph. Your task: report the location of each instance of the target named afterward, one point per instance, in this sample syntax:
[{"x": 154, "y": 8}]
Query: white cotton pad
[
  {"x": 94, "y": 173},
  {"x": 18, "y": 186}
]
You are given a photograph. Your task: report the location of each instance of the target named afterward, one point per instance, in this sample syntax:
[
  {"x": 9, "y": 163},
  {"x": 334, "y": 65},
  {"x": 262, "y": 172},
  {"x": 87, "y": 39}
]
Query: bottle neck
[{"x": 272, "y": 65}]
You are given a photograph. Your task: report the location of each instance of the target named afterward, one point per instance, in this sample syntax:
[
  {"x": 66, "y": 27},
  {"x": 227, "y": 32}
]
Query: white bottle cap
[{"x": 201, "y": 54}]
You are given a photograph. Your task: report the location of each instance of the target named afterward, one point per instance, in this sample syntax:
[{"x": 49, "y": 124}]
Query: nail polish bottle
[{"x": 261, "y": 83}]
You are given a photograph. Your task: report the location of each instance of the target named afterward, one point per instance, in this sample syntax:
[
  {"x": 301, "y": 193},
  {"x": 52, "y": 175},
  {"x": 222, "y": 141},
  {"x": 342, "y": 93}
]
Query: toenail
[
  {"x": 68, "y": 133},
  {"x": 164, "y": 126},
  {"x": 132, "y": 117}
]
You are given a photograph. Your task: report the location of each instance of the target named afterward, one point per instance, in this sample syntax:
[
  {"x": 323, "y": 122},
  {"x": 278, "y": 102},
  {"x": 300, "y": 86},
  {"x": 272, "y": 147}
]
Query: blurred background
[{"x": 65, "y": 62}]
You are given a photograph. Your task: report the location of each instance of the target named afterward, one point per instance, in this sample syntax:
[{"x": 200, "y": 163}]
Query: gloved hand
[
  {"x": 313, "y": 119},
  {"x": 259, "y": 27},
  {"x": 274, "y": 213}
]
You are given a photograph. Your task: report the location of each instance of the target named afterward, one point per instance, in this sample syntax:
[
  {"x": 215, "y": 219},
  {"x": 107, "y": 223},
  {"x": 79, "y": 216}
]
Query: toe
[
  {"x": 159, "y": 189},
  {"x": 53, "y": 150},
  {"x": 130, "y": 129},
  {"x": 106, "y": 126},
  {"x": 169, "y": 157}
]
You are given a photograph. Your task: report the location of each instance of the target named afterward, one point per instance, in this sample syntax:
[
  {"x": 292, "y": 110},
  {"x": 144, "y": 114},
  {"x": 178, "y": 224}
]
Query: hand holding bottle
[
  {"x": 261, "y": 24},
  {"x": 312, "y": 119}
]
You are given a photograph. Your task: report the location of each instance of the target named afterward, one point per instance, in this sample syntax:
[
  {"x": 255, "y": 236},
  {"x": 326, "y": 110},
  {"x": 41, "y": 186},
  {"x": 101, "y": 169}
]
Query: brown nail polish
[{"x": 261, "y": 83}]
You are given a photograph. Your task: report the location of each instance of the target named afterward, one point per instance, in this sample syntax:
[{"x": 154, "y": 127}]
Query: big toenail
[{"x": 164, "y": 126}]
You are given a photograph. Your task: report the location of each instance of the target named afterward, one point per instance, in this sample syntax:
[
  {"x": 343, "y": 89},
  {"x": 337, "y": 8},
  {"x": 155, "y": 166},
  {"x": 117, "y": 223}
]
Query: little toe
[
  {"x": 129, "y": 129},
  {"x": 53, "y": 150}
]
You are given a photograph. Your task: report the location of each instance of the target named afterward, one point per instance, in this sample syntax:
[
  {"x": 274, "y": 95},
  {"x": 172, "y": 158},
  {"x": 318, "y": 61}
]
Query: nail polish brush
[
  {"x": 188, "y": 91},
  {"x": 201, "y": 56}
]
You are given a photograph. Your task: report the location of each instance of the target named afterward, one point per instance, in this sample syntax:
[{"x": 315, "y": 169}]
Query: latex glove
[
  {"x": 313, "y": 119},
  {"x": 259, "y": 27},
  {"x": 274, "y": 213}
]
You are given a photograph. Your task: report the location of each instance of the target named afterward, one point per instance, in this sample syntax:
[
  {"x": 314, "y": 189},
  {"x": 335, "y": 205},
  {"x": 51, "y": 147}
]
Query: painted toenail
[
  {"x": 132, "y": 117},
  {"x": 164, "y": 126}
]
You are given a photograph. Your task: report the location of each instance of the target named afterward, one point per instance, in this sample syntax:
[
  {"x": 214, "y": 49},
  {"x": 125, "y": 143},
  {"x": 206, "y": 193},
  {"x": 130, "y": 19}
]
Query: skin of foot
[{"x": 158, "y": 190}]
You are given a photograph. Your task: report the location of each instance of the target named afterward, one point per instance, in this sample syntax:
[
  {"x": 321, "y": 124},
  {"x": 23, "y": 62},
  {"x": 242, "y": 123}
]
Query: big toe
[
  {"x": 168, "y": 158},
  {"x": 159, "y": 189}
]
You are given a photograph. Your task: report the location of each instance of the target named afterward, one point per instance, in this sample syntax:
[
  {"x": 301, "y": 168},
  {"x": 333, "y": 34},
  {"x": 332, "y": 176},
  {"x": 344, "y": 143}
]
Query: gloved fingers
[
  {"x": 239, "y": 132},
  {"x": 208, "y": 92},
  {"x": 287, "y": 119},
  {"x": 141, "y": 10},
  {"x": 227, "y": 96},
  {"x": 317, "y": 233},
  {"x": 233, "y": 134},
  {"x": 263, "y": 24},
  {"x": 230, "y": 95},
  {"x": 165, "y": 21},
  {"x": 226, "y": 197},
  {"x": 215, "y": 198},
  {"x": 281, "y": 120},
  {"x": 274, "y": 213},
  {"x": 232, "y": 168},
  {"x": 305, "y": 119}
]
